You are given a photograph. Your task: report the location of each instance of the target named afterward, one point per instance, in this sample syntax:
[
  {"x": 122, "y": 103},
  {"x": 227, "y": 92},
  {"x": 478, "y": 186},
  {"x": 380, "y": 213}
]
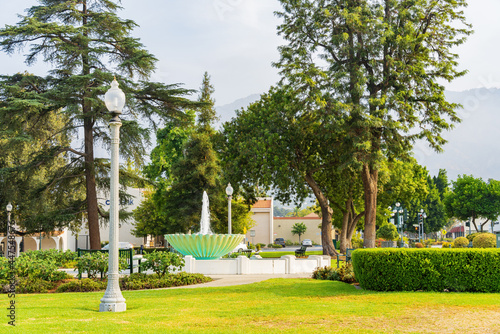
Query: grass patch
[{"x": 273, "y": 306}]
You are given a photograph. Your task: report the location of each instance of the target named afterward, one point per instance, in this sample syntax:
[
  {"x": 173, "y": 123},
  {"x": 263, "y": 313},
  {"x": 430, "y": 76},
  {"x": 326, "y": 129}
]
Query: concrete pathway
[{"x": 229, "y": 280}]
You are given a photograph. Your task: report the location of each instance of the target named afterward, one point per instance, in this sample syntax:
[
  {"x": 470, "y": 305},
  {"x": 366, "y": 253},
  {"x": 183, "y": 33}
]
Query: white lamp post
[
  {"x": 7, "y": 248},
  {"x": 113, "y": 300},
  {"x": 229, "y": 193}
]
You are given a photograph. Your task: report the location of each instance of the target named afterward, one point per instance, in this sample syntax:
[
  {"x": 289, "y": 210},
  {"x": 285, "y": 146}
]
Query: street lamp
[
  {"x": 229, "y": 193},
  {"x": 9, "y": 209},
  {"x": 421, "y": 216},
  {"x": 398, "y": 212},
  {"x": 113, "y": 300}
]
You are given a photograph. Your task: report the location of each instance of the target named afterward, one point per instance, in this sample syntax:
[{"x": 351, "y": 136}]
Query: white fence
[{"x": 242, "y": 265}]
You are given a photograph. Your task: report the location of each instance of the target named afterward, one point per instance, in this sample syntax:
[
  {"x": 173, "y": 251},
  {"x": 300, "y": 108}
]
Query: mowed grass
[{"x": 273, "y": 306}]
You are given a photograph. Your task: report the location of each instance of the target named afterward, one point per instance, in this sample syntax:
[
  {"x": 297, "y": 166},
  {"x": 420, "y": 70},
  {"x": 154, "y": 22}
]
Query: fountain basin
[{"x": 204, "y": 246}]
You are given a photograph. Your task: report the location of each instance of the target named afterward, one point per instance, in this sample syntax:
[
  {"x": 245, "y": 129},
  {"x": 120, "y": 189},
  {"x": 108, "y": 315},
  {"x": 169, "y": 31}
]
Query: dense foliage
[
  {"x": 86, "y": 44},
  {"x": 471, "y": 270},
  {"x": 473, "y": 198}
]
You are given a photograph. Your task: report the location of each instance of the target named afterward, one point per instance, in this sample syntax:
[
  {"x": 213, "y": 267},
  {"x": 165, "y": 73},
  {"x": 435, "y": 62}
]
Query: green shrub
[
  {"x": 97, "y": 263},
  {"x": 460, "y": 242},
  {"x": 5, "y": 271},
  {"x": 33, "y": 285},
  {"x": 83, "y": 285},
  {"x": 346, "y": 273},
  {"x": 323, "y": 273},
  {"x": 276, "y": 246},
  {"x": 162, "y": 262},
  {"x": 60, "y": 258},
  {"x": 356, "y": 242},
  {"x": 388, "y": 232},
  {"x": 38, "y": 268},
  {"x": 258, "y": 247},
  {"x": 485, "y": 240},
  {"x": 473, "y": 235},
  {"x": 138, "y": 281},
  {"x": 343, "y": 274},
  {"x": 446, "y": 244},
  {"x": 288, "y": 242},
  {"x": 388, "y": 269},
  {"x": 261, "y": 245}
]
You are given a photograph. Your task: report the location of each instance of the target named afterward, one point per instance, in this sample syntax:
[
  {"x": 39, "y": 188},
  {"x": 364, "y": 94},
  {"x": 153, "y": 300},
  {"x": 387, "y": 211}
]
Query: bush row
[{"x": 389, "y": 269}]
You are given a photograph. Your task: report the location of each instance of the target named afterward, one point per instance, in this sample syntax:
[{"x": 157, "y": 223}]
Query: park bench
[
  {"x": 126, "y": 253},
  {"x": 301, "y": 251},
  {"x": 347, "y": 256}
]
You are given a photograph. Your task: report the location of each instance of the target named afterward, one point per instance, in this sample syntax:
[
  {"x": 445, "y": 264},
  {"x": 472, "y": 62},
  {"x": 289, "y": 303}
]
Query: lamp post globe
[{"x": 113, "y": 300}]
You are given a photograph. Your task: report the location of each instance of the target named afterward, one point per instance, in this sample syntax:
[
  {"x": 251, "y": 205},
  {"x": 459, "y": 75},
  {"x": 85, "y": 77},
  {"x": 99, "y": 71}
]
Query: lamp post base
[{"x": 112, "y": 307}]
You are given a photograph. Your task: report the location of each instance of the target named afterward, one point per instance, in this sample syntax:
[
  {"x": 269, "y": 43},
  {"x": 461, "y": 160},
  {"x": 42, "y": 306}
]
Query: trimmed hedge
[{"x": 389, "y": 269}]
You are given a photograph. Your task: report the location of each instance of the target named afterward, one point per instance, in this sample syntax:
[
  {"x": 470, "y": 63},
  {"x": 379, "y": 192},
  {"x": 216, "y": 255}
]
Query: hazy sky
[{"x": 235, "y": 41}]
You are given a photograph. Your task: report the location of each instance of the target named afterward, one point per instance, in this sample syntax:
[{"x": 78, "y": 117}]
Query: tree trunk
[
  {"x": 326, "y": 217},
  {"x": 370, "y": 185},
  {"x": 92, "y": 212},
  {"x": 88, "y": 129}
]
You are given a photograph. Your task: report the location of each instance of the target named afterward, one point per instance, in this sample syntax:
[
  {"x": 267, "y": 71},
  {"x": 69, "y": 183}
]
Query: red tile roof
[{"x": 262, "y": 204}]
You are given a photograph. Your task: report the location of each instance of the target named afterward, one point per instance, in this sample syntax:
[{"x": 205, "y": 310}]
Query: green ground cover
[{"x": 273, "y": 306}]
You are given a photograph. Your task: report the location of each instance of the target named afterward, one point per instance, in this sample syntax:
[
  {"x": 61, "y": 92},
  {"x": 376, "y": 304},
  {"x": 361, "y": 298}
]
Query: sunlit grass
[{"x": 273, "y": 306}]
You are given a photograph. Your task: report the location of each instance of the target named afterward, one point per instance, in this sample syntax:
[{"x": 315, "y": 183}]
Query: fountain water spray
[{"x": 205, "y": 245}]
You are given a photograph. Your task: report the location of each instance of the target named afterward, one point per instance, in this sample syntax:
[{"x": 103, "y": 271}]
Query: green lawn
[{"x": 273, "y": 306}]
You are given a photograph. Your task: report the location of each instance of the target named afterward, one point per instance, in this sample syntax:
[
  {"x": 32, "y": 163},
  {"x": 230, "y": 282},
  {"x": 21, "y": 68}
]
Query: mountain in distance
[
  {"x": 228, "y": 111},
  {"x": 473, "y": 146}
]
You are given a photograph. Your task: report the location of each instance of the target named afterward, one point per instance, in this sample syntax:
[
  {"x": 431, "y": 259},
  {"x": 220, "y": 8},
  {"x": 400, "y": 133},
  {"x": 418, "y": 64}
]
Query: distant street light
[
  {"x": 229, "y": 193},
  {"x": 113, "y": 300},
  {"x": 398, "y": 212},
  {"x": 421, "y": 216},
  {"x": 9, "y": 209}
]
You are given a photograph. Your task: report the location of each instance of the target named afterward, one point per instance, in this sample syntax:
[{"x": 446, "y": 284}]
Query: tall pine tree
[{"x": 87, "y": 44}]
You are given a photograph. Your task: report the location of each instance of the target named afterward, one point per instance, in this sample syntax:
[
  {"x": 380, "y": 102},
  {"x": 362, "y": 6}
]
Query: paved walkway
[{"x": 229, "y": 280}]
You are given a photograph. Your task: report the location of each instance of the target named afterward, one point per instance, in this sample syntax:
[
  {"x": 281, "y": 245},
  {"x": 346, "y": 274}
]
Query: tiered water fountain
[{"x": 204, "y": 245}]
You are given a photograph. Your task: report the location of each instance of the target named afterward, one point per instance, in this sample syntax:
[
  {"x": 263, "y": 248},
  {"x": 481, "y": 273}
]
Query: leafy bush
[
  {"x": 343, "y": 274},
  {"x": 389, "y": 269},
  {"x": 261, "y": 245},
  {"x": 162, "y": 262},
  {"x": 446, "y": 244},
  {"x": 83, "y": 285},
  {"x": 388, "y": 232},
  {"x": 356, "y": 241},
  {"x": 288, "y": 242},
  {"x": 473, "y": 235},
  {"x": 460, "y": 242},
  {"x": 485, "y": 240},
  {"x": 258, "y": 247},
  {"x": 33, "y": 285},
  {"x": 138, "y": 281},
  {"x": 38, "y": 268},
  {"x": 275, "y": 246},
  {"x": 97, "y": 263},
  {"x": 325, "y": 273},
  {"x": 4, "y": 268},
  {"x": 346, "y": 273},
  {"x": 60, "y": 258}
]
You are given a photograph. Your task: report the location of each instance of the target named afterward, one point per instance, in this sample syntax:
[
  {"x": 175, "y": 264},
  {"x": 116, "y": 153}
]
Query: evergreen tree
[
  {"x": 87, "y": 43},
  {"x": 441, "y": 182},
  {"x": 185, "y": 167}
]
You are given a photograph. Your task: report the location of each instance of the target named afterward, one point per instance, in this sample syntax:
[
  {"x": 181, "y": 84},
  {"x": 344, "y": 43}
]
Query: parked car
[
  {"x": 240, "y": 248},
  {"x": 280, "y": 241},
  {"x": 307, "y": 242},
  {"x": 121, "y": 245}
]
